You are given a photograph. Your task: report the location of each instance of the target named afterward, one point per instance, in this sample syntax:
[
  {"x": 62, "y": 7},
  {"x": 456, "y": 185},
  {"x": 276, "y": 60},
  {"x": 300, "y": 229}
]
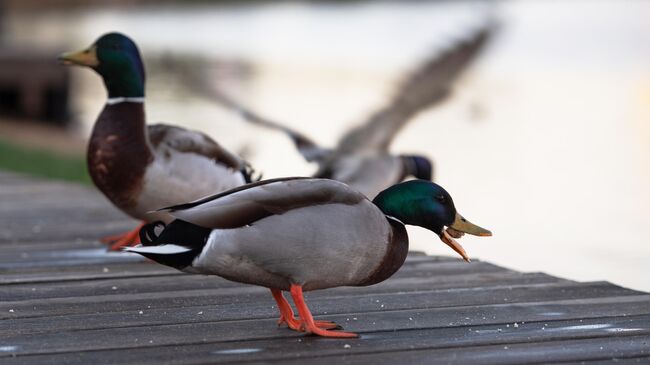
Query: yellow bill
[
  {"x": 463, "y": 225},
  {"x": 87, "y": 57}
]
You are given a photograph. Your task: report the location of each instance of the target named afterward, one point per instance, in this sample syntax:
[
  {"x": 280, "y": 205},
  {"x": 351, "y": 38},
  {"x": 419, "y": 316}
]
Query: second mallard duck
[
  {"x": 301, "y": 234},
  {"x": 141, "y": 168}
]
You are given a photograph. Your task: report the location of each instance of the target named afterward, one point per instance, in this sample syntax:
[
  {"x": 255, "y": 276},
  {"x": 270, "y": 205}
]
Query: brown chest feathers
[{"x": 118, "y": 153}]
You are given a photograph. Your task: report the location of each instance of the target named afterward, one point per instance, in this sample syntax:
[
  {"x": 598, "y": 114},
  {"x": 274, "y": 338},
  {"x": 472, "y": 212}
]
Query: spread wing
[
  {"x": 426, "y": 86},
  {"x": 305, "y": 146},
  {"x": 246, "y": 204},
  {"x": 164, "y": 136}
]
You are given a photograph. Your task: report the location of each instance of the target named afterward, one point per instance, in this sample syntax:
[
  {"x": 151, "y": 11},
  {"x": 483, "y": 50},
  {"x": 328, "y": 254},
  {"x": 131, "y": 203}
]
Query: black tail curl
[
  {"x": 148, "y": 234},
  {"x": 178, "y": 233}
]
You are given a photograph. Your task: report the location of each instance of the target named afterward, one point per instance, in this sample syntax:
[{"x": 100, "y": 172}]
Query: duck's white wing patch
[
  {"x": 168, "y": 249},
  {"x": 184, "y": 177},
  {"x": 166, "y": 138}
]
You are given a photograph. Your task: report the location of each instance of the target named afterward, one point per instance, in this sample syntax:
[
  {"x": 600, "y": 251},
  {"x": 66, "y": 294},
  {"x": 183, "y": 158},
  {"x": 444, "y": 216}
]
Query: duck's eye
[
  {"x": 115, "y": 46},
  {"x": 440, "y": 198}
]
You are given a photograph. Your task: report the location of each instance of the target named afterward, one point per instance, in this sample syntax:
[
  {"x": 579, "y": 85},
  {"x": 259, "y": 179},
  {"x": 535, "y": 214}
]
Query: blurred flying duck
[
  {"x": 302, "y": 234},
  {"x": 141, "y": 168},
  {"x": 362, "y": 158}
]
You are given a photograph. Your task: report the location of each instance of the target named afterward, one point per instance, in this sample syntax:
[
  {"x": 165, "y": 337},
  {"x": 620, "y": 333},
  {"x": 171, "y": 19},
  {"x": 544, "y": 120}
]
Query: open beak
[
  {"x": 463, "y": 225},
  {"x": 87, "y": 57},
  {"x": 457, "y": 228},
  {"x": 447, "y": 239}
]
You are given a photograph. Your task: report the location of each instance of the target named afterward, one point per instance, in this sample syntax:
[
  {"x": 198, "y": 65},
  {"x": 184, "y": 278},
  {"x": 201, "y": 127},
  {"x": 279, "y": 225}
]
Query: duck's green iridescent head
[
  {"x": 426, "y": 204},
  {"x": 117, "y": 59}
]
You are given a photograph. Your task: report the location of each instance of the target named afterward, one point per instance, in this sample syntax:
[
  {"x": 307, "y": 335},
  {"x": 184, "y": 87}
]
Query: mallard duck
[
  {"x": 362, "y": 158},
  {"x": 141, "y": 168},
  {"x": 302, "y": 234}
]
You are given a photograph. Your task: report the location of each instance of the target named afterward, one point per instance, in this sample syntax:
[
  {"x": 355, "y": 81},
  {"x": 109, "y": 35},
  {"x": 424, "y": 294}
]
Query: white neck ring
[{"x": 121, "y": 99}]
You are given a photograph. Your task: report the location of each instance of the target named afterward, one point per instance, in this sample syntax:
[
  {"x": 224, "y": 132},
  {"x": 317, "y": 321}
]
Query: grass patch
[{"x": 43, "y": 163}]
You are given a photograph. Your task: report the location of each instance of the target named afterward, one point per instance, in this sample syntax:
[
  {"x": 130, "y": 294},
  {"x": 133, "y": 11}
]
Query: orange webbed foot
[
  {"x": 296, "y": 324},
  {"x": 327, "y": 325},
  {"x": 308, "y": 321},
  {"x": 117, "y": 242},
  {"x": 109, "y": 240}
]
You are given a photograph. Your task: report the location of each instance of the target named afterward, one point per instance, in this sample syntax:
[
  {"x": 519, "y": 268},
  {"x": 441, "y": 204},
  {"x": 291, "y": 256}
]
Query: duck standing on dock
[
  {"x": 141, "y": 168},
  {"x": 302, "y": 234}
]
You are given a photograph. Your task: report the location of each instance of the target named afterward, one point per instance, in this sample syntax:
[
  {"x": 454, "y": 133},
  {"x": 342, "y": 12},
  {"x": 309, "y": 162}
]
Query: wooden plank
[
  {"x": 408, "y": 270},
  {"x": 116, "y": 301},
  {"x": 81, "y": 268},
  {"x": 46, "y": 195},
  {"x": 308, "y": 349},
  {"x": 461, "y": 339},
  {"x": 20, "y": 248},
  {"x": 59, "y": 219},
  {"x": 102, "y": 273},
  {"x": 71, "y": 231},
  {"x": 617, "y": 360},
  {"x": 190, "y": 282},
  {"x": 99, "y": 257},
  {"x": 23, "y": 186},
  {"x": 45, "y": 205},
  {"x": 368, "y": 325},
  {"x": 260, "y": 305},
  {"x": 7, "y": 177},
  {"x": 87, "y": 272},
  {"x": 601, "y": 348},
  {"x": 57, "y": 258}
]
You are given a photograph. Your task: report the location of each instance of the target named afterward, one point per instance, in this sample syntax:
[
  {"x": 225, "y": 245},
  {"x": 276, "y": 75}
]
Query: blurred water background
[{"x": 546, "y": 139}]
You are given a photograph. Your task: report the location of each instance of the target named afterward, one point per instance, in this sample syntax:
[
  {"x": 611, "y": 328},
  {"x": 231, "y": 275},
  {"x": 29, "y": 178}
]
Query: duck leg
[
  {"x": 130, "y": 238},
  {"x": 286, "y": 315},
  {"x": 307, "y": 319}
]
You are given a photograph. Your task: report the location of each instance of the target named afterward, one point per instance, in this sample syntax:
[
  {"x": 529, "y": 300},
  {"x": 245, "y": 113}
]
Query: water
[{"x": 546, "y": 140}]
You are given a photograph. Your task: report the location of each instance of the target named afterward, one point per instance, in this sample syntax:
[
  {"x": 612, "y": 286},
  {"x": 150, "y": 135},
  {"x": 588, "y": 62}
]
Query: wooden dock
[{"x": 64, "y": 300}]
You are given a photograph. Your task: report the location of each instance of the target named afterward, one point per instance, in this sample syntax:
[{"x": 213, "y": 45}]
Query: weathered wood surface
[{"x": 63, "y": 299}]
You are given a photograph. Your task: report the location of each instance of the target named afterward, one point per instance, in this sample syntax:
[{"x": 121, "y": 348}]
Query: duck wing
[
  {"x": 426, "y": 86},
  {"x": 202, "y": 86},
  {"x": 249, "y": 203},
  {"x": 163, "y": 136},
  {"x": 309, "y": 150}
]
